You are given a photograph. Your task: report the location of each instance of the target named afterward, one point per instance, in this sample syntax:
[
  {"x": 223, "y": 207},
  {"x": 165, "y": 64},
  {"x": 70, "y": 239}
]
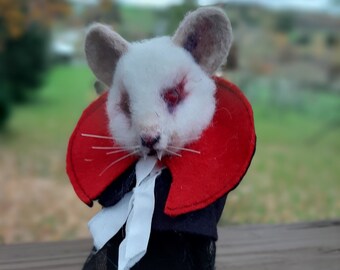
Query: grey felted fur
[
  {"x": 206, "y": 33},
  {"x": 103, "y": 48}
]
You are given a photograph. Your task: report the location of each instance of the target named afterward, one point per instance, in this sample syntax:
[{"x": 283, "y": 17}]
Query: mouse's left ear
[
  {"x": 103, "y": 49},
  {"x": 206, "y": 33}
]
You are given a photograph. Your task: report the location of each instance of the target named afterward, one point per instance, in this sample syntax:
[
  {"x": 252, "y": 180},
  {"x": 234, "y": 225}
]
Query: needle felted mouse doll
[{"x": 161, "y": 149}]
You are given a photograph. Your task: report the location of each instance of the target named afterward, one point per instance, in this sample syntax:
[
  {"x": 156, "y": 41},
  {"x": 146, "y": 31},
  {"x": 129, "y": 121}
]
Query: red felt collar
[{"x": 227, "y": 147}]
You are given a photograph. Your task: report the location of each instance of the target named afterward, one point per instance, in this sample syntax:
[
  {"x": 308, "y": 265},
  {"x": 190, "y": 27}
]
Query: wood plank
[
  {"x": 54, "y": 255},
  {"x": 303, "y": 246}
]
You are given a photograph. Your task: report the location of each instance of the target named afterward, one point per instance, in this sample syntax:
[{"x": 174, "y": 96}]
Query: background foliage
[
  {"x": 24, "y": 44},
  {"x": 285, "y": 62}
]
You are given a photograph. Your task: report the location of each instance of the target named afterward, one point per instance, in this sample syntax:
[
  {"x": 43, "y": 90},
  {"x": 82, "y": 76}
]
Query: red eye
[{"x": 173, "y": 96}]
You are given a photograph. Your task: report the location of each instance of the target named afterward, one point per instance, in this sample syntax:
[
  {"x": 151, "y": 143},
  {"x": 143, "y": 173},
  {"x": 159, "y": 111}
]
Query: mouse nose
[{"x": 150, "y": 141}]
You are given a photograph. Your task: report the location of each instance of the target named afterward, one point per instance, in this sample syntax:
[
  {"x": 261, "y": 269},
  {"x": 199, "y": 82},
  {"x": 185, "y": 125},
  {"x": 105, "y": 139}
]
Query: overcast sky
[
  {"x": 305, "y": 4},
  {"x": 318, "y": 5}
]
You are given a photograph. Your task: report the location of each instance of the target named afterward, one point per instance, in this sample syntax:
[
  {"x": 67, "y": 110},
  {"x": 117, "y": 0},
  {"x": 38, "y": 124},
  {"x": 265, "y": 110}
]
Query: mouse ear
[
  {"x": 206, "y": 33},
  {"x": 103, "y": 48}
]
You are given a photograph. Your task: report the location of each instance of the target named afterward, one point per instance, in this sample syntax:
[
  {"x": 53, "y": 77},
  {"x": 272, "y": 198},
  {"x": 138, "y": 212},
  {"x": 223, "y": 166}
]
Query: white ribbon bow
[{"x": 136, "y": 210}]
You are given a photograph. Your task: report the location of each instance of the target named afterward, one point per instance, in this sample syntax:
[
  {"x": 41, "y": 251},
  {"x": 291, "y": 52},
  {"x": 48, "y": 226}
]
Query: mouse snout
[{"x": 150, "y": 141}]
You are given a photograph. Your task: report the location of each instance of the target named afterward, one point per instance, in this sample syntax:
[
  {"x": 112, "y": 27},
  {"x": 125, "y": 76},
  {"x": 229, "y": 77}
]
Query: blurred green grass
[
  {"x": 294, "y": 175},
  {"x": 38, "y": 131},
  {"x": 138, "y": 22},
  {"x": 50, "y": 118},
  {"x": 295, "y": 172}
]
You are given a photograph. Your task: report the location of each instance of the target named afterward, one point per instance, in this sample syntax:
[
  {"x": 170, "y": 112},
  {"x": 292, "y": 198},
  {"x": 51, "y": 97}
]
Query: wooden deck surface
[{"x": 303, "y": 246}]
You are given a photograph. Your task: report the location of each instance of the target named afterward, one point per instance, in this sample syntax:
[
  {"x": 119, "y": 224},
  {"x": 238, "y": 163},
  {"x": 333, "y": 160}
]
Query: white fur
[{"x": 144, "y": 72}]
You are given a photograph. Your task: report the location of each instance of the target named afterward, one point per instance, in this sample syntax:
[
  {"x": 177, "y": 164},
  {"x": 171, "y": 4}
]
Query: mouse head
[{"x": 161, "y": 96}]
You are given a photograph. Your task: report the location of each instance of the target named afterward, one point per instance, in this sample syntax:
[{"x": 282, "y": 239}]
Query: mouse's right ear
[
  {"x": 103, "y": 48},
  {"x": 207, "y": 35}
]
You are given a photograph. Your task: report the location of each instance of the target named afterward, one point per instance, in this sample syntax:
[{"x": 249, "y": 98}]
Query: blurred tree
[
  {"x": 331, "y": 40},
  {"x": 174, "y": 14},
  {"x": 233, "y": 58},
  {"x": 285, "y": 22},
  {"x": 251, "y": 15},
  {"x": 303, "y": 39},
  {"x": 4, "y": 96},
  {"x": 24, "y": 36},
  {"x": 26, "y": 61},
  {"x": 17, "y": 15},
  {"x": 107, "y": 11}
]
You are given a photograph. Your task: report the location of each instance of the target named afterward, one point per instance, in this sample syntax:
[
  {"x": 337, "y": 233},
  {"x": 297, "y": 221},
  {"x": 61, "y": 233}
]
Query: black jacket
[{"x": 201, "y": 222}]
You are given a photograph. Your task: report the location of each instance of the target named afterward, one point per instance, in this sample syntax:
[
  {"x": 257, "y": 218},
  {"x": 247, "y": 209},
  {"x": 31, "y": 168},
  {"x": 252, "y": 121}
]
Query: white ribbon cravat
[{"x": 136, "y": 210}]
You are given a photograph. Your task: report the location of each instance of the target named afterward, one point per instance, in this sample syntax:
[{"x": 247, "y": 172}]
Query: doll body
[
  {"x": 186, "y": 242},
  {"x": 164, "y": 104}
]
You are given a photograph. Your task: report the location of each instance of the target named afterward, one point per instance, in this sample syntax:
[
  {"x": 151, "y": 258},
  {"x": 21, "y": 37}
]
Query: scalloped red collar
[{"x": 227, "y": 147}]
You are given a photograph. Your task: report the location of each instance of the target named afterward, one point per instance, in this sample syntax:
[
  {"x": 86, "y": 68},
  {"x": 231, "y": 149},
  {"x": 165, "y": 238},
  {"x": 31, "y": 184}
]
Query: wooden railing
[{"x": 302, "y": 246}]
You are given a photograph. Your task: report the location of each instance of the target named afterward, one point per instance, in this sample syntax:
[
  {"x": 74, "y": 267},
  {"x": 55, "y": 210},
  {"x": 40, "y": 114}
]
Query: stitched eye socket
[
  {"x": 125, "y": 104},
  {"x": 171, "y": 97}
]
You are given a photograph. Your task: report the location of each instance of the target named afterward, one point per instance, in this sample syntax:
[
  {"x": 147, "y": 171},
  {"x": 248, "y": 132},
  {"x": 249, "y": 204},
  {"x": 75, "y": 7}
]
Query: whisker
[
  {"x": 185, "y": 149},
  {"x": 172, "y": 152},
  {"x": 116, "y": 161},
  {"x": 114, "y": 147},
  {"x": 193, "y": 138},
  {"x": 121, "y": 150},
  {"x": 96, "y": 136},
  {"x": 116, "y": 151},
  {"x": 106, "y": 147}
]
